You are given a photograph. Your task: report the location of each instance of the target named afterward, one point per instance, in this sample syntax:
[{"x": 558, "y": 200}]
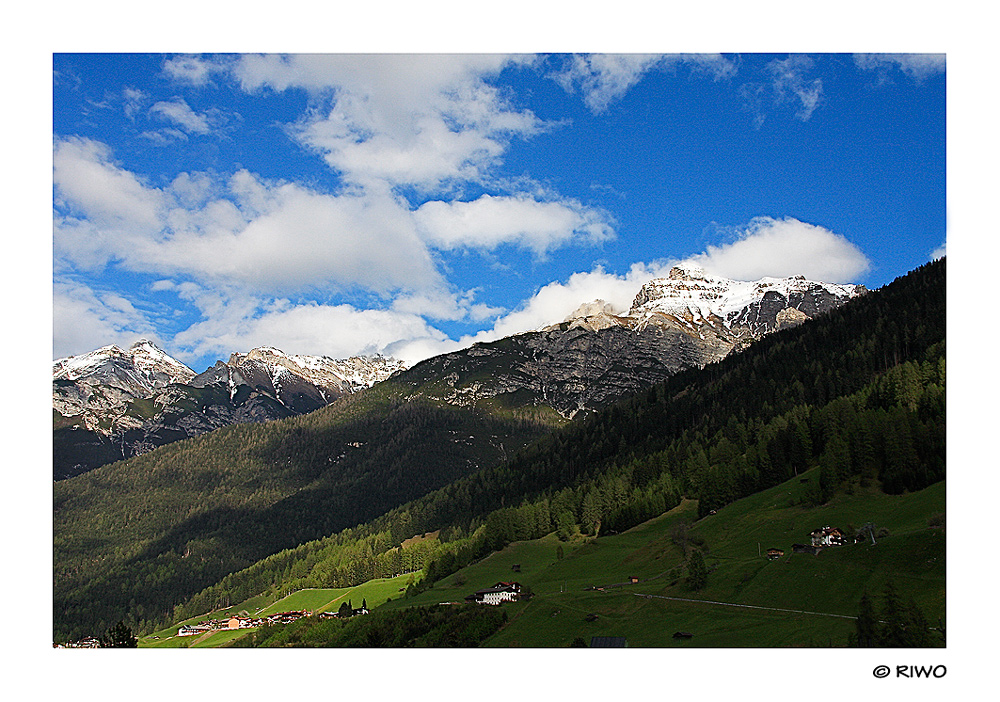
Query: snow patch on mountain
[
  {"x": 689, "y": 290},
  {"x": 144, "y": 364}
]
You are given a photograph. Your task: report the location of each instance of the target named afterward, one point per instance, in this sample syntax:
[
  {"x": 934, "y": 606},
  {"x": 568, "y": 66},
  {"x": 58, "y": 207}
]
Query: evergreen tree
[
  {"x": 119, "y": 636},
  {"x": 866, "y": 625},
  {"x": 896, "y": 625},
  {"x": 697, "y": 571}
]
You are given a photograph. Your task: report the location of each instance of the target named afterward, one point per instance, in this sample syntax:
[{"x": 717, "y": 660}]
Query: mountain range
[{"x": 112, "y": 404}]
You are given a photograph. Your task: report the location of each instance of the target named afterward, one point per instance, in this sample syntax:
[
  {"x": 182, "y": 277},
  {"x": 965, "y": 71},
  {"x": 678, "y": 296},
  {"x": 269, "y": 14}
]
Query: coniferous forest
[{"x": 858, "y": 393}]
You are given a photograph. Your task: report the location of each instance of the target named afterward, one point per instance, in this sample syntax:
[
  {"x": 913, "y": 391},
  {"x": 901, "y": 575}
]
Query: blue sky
[{"x": 355, "y": 203}]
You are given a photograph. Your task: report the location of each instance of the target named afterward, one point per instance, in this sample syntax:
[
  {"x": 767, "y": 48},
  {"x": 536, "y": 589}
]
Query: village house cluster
[
  {"x": 241, "y": 622},
  {"x": 89, "y": 642}
]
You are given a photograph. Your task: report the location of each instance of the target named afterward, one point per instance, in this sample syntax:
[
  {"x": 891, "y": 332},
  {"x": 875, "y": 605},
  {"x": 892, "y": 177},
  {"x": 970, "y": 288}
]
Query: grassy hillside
[
  {"x": 374, "y": 592},
  {"x": 582, "y": 588},
  {"x": 912, "y": 556}
]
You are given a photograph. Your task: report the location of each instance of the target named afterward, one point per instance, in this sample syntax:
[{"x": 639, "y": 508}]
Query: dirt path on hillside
[{"x": 744, "y": 606}]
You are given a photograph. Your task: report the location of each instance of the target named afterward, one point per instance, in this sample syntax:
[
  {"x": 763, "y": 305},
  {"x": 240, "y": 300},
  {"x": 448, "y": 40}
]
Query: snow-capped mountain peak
[
  {"x": 688, "y": 290},
  {"x": 144, "y": 364}
]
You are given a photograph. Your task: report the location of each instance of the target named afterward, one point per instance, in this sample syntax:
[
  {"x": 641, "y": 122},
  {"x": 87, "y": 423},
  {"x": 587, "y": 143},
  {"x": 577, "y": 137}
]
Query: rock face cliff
[
  {"x": 598, "y": 355},
  {"x": 111, "y": 403}
]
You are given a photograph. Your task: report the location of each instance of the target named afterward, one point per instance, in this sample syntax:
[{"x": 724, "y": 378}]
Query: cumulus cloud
[
  {"x": 271, "y": 236},
  {"x": 88, "y": 180},
  {"x": 332, "y": 330},
  {"x": 555, "y": 301},
  {"x": 939, "y": 252},
  {"x": 84, "y": 319},
  {"x": 224, "y": 244},
  {"x": 180, "y": 113},
  {"x": 421, "y": 121},
  {"x": 770, "y": 247},
  {"x": 605, "y": 78},
  {"x": 919, "y": 67},
  {"x": 549, "y": 305},
  {"x": 261, "y": 234},
  {"x": 490, "y": 221}
]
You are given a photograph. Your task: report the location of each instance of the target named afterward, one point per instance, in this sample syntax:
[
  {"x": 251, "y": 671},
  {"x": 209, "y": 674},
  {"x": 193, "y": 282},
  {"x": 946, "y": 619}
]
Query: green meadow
[
  {"x": 582, "y": 588},
  {"x": 375, "y": 592},
  {"x": 749, "y": 589}
]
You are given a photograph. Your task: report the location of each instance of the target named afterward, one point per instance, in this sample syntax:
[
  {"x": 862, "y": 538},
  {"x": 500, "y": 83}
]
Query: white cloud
[
  {"x": 789, "y": 76},
  {"x": 916, "y": 66},
  {"x": 272, "y": 236},
  {"x": 939, "y": 252},
  {"x": 555, "y": 301},
  {"x": 490, "y": 221},
  {"x": 296, "y": 238},
  {"x": 87, "y": 179},
  {"x": 313, "y": 329},
  {"x": 716, "y": 66},
  {"x": 766, "y": 247},
  {"x": 189, "y": 69},
  {"x": 605, "y": 78},
  {"x": 247, "y": 231},
  {"x": 134, "y": 99},
  {"x": 179, "y": 112},
  {"x": 552, "y": 304},
  {"x": 424, "y": 120},
  {"x": 84, "y": 319},
  {"x": 785, "y": 247}
]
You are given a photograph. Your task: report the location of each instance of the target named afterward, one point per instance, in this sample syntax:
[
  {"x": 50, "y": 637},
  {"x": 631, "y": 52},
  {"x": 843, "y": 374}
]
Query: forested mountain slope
[{"x": 145, "y": 533}]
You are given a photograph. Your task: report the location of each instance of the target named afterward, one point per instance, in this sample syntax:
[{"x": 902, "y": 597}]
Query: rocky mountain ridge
[
  {"x": 598, "y": 354},
  {"x": 111, "y": 403},
  {"x": 707, "y": 306}
]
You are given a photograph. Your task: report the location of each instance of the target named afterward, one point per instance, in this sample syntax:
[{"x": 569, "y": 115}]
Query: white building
[{"x": 501, "y": 592}]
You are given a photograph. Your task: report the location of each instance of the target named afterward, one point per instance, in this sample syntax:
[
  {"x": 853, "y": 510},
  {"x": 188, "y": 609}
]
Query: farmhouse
[
  {"x": 827, "y": 536},
  {"x": 194, "y": 629},
  {"x": 774, "y": 554},
  {"x": 501, "y": 592}
]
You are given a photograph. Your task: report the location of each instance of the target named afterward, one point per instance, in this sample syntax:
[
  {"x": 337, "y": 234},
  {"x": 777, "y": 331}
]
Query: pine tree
[
  {"x": 866, "y": 624},
  {"x": 697, "y": 571},
  {"x": 119, "y": 636}
]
